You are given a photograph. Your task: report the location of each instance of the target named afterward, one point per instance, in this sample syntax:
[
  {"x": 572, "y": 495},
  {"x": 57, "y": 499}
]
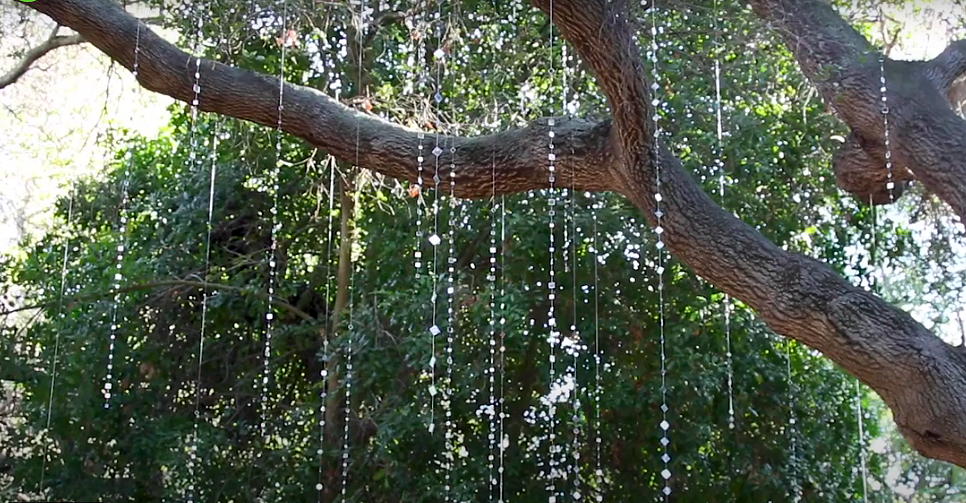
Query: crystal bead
[
  {"x": 435, "y": 240},
  {"x": 437, "y": 151},
  {"x": 666, "y": 473},
  {"x": 665, "y": 425}
]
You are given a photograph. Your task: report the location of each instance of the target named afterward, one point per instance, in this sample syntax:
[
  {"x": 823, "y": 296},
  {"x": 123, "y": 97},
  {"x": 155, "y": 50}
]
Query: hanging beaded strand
[
  {"x": 491, "y": 372},
  {"x": 449, "y": 434},
  {"x": 659, "y": 232},
  {"x": 276, "y": 226},
  {"x": 883, "y": 89},
  {"x": 792, "y": 421},
  {"x": 720, "y": 166},
  {"x": 504, "y": 441},
  {"x": 324, "y": 373},
  {"x": 350, "y": 326},
  {"x": 348, "y": 376},
  {"x": 576, "y": 346},
  {"x": 108, "y": 385},
  {"x": 553, "y": 334},
  {"x": 416, "y": 192},
  {"x": 598, "y": 441},
  {"x": 196, "y": 162},
  {"x": 434, "y": 239}
]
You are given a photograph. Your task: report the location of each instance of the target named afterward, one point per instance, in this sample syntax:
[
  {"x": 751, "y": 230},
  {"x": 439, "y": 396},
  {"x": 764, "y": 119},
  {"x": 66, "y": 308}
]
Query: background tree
[{"x": 777, "y": 133}]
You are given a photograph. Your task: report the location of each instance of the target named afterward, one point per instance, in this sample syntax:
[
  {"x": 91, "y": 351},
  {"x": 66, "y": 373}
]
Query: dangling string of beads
[
  {"x": 434, "y": 239},
  {"x": 720, "y": 166},
  {"x": 364, "y": 12},
  {"x": 491, "y": 371},
  {"x": 792, "y": 423},
  {"x": 863, "y": 462},
  {"x": 195, "y": 162},
  {"x": 108, "y": 385},
  {"x": 416, "y": 191},
  {"x": 324, "y": 373},
  {"x": 504, "y": 441},
  {"x": 883, "y": 89},
  {"x": 449, "y": 434},
  {"x": 659, "y": 231},
  {"x": 598, "y": 441},
  {"x": 577, "y": 344},
  {"x": 348, "y": 376},
  {"x": 553, "y": 335},
  {"x": 276, "y": 227}
]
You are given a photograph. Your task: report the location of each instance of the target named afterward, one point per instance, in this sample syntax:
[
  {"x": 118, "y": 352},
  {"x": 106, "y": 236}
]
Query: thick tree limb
[
  {"x": 929, "y": 139},
  {"x": 54, "y": 41},
  {"x": 921, "y": 378},
  {"x": 918, "y": 375},
  {"x": 944, "y": 69},
  {"x": 322, "y": 121}
]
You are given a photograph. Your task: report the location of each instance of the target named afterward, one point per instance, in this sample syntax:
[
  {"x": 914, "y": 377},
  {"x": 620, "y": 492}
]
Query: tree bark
[{"x": 921, "y": 378}]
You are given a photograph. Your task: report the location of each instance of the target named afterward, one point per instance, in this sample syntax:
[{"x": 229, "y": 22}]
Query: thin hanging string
[
  {"x": 491, "y": 371},
  {"x": 447, "y": 401},
  {"x": 121, "y": 248},
  {"x": 659, "y": 231},
  {"x": 455, "y": 209},
  {"x": 348, "y": 372},
  {"x": 276, "y": 226},
  {"x": 197, "y": 164},
  {"x": 577, "y": 345},
  {"x": 598, "y": 441},
  {"x": 193, "y": 455},
  {"x": 60, "y": 314},
  {"x": 324, "y": 373},
  {"x": 863, "y": 463},
  {"x": 417, "y": 191},
  {"x": 503, "y": 312},
  {"x": 346, "y": 459},
  {"x": 720, "y": 165},
  {"x": 792, "y": 422},
  {"x": 553, "y": 448}
]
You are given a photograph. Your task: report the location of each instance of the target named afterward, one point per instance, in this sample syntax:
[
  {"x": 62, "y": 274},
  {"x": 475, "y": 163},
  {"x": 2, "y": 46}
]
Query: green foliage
[{"x": 795, "y": 432}]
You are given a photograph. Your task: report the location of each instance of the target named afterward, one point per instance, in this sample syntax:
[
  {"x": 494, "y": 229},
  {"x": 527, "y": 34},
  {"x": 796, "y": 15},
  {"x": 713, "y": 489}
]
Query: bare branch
[{"x": 34, "y": 53}]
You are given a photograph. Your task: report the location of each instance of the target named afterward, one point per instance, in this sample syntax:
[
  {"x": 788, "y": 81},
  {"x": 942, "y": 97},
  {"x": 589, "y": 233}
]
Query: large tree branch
[
  {"x": 54, "y": 41},
  {"x": 916, "y": 373},
  {"x": 929, "y": 139},
  {"x": 944, "y": 69},
  {"x": 347, "y": 134},
  {"x": 919, "y": 376}
]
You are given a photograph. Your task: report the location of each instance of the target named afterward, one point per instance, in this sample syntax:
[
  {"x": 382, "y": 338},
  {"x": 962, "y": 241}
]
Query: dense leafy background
[{"x": 796, "y": 433}]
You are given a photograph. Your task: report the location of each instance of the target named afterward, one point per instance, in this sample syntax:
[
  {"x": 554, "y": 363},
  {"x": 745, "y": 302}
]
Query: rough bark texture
[{"x": 920, "y": 377}]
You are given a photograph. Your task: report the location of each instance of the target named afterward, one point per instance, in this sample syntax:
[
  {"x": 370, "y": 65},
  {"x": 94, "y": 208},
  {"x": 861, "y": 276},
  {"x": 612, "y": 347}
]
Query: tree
[{"x": 916, "y": 374}]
